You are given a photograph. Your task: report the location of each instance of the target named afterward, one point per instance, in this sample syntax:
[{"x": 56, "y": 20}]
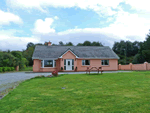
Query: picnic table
[{"x": 99, "y": 69}]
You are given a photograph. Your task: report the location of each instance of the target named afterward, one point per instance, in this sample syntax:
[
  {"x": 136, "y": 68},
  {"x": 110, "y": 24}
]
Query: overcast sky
[{"x": 106, "y": 21}]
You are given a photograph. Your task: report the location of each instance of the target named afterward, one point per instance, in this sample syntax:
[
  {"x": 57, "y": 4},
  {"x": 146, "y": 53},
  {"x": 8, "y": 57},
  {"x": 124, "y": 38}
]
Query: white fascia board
[
  {"x": 66, "y": 52},
  {"x": 97, "y": 58}
]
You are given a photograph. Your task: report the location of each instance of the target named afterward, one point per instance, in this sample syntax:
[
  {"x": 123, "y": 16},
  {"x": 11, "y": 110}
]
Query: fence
[{"x": 144, "y": 66}]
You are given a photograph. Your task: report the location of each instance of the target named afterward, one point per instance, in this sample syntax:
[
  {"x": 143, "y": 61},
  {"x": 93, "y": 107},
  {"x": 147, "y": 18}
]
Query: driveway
[{"x": 8, "y": 80}]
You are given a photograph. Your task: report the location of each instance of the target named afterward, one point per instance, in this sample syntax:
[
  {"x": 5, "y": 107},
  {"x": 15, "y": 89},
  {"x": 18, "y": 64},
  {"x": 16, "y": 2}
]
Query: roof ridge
[{"x": 70, "y": 46}]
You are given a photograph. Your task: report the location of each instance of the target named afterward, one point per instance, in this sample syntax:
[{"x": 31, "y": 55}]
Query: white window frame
[
  {"x": 84, "y": 63},
  {"x": 104, "y": 62},
  {"x": 47, "y": 67}
]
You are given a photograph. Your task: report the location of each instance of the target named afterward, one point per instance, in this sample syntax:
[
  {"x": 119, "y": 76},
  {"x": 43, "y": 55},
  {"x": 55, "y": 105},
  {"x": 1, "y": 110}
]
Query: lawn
[{"x": 111, "y": 92}]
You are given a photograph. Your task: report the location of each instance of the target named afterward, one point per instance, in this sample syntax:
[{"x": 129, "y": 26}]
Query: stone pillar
[
  {"x": 130, "y": 66},
  {"x": 17, "y": 68},
  {"x": 119, "y": 67},
  {"x": 145, "y": 65}
]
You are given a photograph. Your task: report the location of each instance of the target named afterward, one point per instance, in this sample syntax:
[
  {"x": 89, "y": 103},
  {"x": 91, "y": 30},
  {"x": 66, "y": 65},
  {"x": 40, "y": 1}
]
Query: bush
[
  {"x": 12, "y": 68},
  {"x": 40, "y": 76},
  {"x": 4, "y": 69},
  {"x": 1, "y": 69},
  {"x": 49, "y": 76},
  {"x": 61, "y": 68},
  {"x": 55, "y": 73},
  {"x": 8, "y": 69},
  {"x": 76, "y": 69}
]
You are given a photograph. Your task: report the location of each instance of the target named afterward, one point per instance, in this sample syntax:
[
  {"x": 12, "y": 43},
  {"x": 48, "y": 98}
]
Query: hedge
[{"x": 6, "y": 69}]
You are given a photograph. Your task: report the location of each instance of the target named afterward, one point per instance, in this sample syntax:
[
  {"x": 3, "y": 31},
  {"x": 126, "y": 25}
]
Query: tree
[
  {"x": 69, "y": 44},
  {"x": 8, "y": 60},
  {"x": 79, "y": 44},
  {"x": 28, "y": 55},
  {"x": 30, "y": 44},
  {"x": 87, "y": 43},
  {"x": 138, "y": 58},
  {"x": 61, "y": 43},
  {"x": 126, "y": 50},
  {"x": 17, "y": 54},
  {"x": 38, "y": 44},
  {"x": 96, "y": 44}
]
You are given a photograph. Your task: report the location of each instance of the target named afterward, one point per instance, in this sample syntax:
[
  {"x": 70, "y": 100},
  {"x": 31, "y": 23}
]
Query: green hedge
[{"x": 6, "y": 69}]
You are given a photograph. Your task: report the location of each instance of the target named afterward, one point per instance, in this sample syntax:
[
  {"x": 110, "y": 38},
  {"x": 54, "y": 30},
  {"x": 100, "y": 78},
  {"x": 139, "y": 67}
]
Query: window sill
[
  {"x": 48, "y": 67},
  {"x": 105, "y": 65},
  {"x": 85, "y": 65}
]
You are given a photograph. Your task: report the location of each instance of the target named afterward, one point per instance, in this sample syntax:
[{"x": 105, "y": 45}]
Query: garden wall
[{"x": 144, "y": 66}]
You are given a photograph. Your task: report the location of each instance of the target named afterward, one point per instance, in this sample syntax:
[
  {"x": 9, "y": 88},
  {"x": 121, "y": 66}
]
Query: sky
[{"x": 106, "y": 21}]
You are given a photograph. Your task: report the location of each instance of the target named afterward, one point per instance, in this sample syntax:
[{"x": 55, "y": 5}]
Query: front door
[{"x": 68, "y": 64}]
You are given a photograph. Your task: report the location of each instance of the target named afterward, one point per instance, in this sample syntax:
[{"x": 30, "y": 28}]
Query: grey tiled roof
[{"x": 46, "y": 52}]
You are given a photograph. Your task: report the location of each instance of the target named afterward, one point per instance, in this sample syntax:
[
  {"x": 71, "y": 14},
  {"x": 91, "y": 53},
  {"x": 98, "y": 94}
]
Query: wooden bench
[{"x": 99, "y": 69}]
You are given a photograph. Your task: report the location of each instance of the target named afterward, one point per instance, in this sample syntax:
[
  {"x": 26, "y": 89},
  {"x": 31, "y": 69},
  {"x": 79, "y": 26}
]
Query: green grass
[
  {"x": 27, "y": 69},
  {"x": 111, "y": 92}
]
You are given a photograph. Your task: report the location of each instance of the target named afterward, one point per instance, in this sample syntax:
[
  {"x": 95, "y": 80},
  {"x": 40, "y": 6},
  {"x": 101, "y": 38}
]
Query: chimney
[{"x": 49, "y": 43}]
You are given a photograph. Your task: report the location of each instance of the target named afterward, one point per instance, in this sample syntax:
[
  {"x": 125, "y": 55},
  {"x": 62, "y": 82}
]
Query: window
[
  {"x": 72, "y": 67},
  {"x": 72, "y": 61},
  {"x": 48, "y": 63},
  {"x": 64, "y": 64},
  {"x": 72, "y": 64},
  {"x": 85, "y": 62},
  {"x": 41, "y": 63},
  {"x": 55, "y": 63},
  {"x": 105, "y": 62},
  {"x": 68, "y": 63}
]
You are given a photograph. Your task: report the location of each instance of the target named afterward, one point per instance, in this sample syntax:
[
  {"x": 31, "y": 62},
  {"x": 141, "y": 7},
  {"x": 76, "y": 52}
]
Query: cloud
[
  {"x": 100, "y": 6},
  {"x": 139, "y": 5},
  {"x": 56, "y": 18},
  {"x": 43, "y": 27},
  {"x": 8, "y": 40},
  {"x": 127, "y": 24},
  {"x": 125, "y": 27},
  {"x": 7, "y": 17}
]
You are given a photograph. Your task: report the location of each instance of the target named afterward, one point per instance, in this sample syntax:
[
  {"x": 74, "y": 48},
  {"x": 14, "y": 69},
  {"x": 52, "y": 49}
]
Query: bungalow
[{"x": 73, "y": 58}]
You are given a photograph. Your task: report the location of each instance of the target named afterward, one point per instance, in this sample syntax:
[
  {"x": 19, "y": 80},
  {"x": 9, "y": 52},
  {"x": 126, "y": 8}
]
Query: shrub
[
  {"x": 8, "y": 68},
  {"x": 49, "y": 76},
  {"x": 12, "y": 68},
  {"x": 4, "y": 69},
  {"x": 40, "y": 76},
  {"x": 1, "y": 69},
  {"x": 76, "y": 69},
  {"x": 61, "y": 68},
  {"x": 55, "y": 73}
]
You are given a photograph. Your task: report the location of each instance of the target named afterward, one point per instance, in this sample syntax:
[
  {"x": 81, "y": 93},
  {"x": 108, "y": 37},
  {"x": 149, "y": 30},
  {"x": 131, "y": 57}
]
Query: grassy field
[{"x": 111, "y": 92}]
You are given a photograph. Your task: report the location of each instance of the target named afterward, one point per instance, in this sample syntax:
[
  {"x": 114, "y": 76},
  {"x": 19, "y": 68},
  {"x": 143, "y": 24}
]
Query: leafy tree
[
  {"x": 87, "y": 43},
  {"x": 17, "y": 54},
  {"x": 138, "y": 58},
  {"x": 79, "y": 44},
  {"x": 96, "y": 44},
  {"x": 38, "y": 44},
  {"x": 28, "y": 55},
  {"x": 54, "y": 44},
  {"x": 61, "y": 43},
  {"x": 30, "y": 44},
  {"x": 69, "y": 44},
  {"x": 8, "y": 60}
]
